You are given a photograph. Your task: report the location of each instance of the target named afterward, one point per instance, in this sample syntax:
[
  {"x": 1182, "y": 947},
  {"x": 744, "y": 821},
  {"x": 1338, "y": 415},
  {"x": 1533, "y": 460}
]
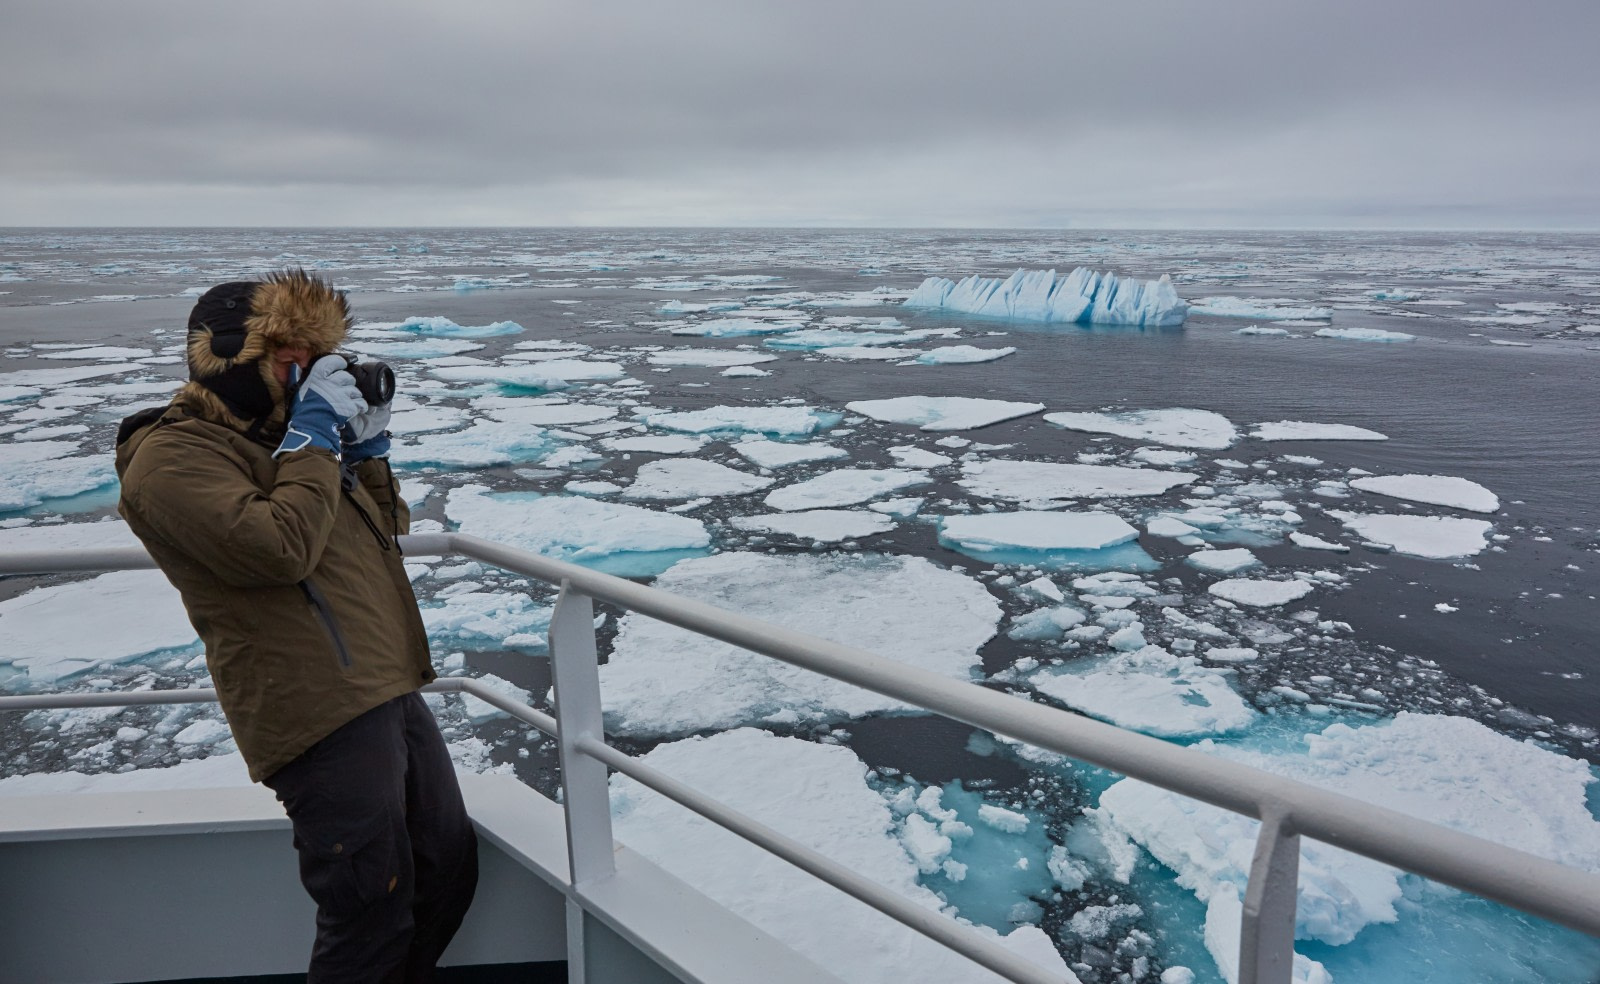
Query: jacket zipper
[{"x": 325, "y": 616}]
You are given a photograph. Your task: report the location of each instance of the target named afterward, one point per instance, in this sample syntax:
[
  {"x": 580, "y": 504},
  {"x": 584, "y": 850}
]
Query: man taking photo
[{"x": 264, "y": 493}]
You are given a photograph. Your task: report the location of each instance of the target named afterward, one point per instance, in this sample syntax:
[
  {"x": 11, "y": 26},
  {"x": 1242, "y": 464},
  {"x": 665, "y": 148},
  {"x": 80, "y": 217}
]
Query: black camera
[{"x": 375, "y": 380}]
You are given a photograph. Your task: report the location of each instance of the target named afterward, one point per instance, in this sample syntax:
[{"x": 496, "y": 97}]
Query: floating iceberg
[
  {"x": 1222, "y": 561},
  {"x": 1259, "y": 594},
  {"x": 1437, "y": 490},
  {"x": 619, "y": 539},
  {"x": 950, "y": 355},
  {"x": 1178, "y": 427},
  {"x": 1081, "y": 297},
  {"x": 943, "y": 413},
  {"x": 664, "y": 680}
]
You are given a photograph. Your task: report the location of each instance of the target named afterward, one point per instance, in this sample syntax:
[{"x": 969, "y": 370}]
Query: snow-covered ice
[
  {"x": 778, "y": 454},
  {"x": 1260, "y": 593},
  {"x": 961, "y": 354},
  {"x": 1435, "y": 537},
  {"x": 1255, "y": 307},
  {"x": 1300, "y": 430},
  {"x": 1153, "y": 691},
  {"x": 707, "y": 357},
  {"x": 817, "y": 794},
  {"x": 665, "y": 680},
  {"x": 1179, "y": 428},
  {"x": 115, "y": 617},
  {"x": 484, "y": 444},
  {"x": 843, "y": 487},
  {"x": 36, "y": 471},
  {"x": 1222, "y": 561},
  {"x": 819, "y": 525},
  {"x": 1083, "y": 296},
  {"x": 1044, "y": 481},
  {"x": 655, "y": 444},
  {"x": 610, "y": 536},
  {"x": 483, "y": 618},
  {"x": 112, "y": 534},
  {"x": 789, "y": 421},
  {"x": 449, "y": 329},
  {"x": 1438, "y": 490},
  {"x": 689, "y": 478},
  {"x": 1364, "y": 335},
  {"x": 943, "y": 413},
  {"x": 1036, "y": 530}
]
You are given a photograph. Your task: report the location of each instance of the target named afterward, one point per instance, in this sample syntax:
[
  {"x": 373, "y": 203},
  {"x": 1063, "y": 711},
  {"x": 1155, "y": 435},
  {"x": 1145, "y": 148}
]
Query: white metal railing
[{"x": 1288, "y": 809}]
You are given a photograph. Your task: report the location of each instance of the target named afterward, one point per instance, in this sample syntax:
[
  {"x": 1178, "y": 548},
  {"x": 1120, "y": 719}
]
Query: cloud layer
[{"x": 1255, "y": 112}]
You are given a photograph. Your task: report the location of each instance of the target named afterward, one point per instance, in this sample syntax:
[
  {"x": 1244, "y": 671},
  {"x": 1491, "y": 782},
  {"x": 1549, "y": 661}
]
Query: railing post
[
  {"x": 585, "y": 796},
  {"x": 1266, "y": 933}
]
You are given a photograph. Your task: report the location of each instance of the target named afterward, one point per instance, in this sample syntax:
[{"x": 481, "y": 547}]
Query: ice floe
[
  {"x": 485, "y": 618},
  {"x": 37, "y": 471},
  {"x": 483, "y": 444},
  {"x": 944, "y": 355},
  {"x": 1435, "y": 537},
  {"x": 1447, "y": 770},
  {"x": 819, "y": 525},
  {"x": 444, "y": 327},
  {"x": 1438, "y": 490},
  {"x": 795, "y": 421},
  {"x": 1036, "y": 530},
  {"x": 1300, "y": 430},
  {"x": 818, "y": 795},
  {"x": 108, "y": 535},
  {"x": 737, "y": 327},
  {"x": 1260, "y": 593},
  {"x": 707, "y": 358},
  {"x": 1255, "y": 307},
  {"x": 665, "y": 680},
  {"x": 843, "y": 487},
  {"x": 1083, "y": 296},
  {"x": 547, "y": 375},
  {"x": 655, "y": 444},
  {"x": 1179, "y": 428},
  {"x": 777, "y": 454},
  {"x": 1364, "y": 335},
  {"x": 114, "y": 618},
  {"x": 689, "y": 478},
  {"x": 1153, "y": 691},
  {"x": 943, "y": 413},
  {"x": 1043, "y": 481},
  {"x": 613, "y": 537},
  {"x": 1222, "y": 561}
]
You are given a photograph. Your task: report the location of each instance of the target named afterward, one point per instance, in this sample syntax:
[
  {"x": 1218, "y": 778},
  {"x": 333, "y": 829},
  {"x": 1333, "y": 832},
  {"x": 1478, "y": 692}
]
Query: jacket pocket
[{"x": 324, "y": 613}]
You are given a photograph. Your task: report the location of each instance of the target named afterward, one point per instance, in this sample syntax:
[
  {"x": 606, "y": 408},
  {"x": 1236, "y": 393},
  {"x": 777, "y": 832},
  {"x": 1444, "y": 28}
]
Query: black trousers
[{"x": 386, "y": 849}]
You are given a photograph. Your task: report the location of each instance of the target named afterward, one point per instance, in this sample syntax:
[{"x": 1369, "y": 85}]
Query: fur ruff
[{"x": 293, "y": 309}]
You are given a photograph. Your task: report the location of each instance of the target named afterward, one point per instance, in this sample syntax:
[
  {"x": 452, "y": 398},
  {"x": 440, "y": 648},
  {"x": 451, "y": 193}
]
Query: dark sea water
[{"x": 1498, "y": 386}]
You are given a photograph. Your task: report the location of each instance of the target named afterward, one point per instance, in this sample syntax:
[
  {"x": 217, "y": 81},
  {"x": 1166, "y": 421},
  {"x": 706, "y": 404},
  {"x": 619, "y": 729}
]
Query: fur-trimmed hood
[{"x": 234, "y": 330}]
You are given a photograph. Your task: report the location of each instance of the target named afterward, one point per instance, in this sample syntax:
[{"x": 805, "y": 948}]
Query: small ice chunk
[
  {"x": 1310, "y": 542},
  {"x": 1300, "y": 430},
  {"x": 907, "y": 456},
  {"x": 1364, "y": 334},
  {"x": 1222, "y": 561},
  {"x": 1002, "y": 819}
]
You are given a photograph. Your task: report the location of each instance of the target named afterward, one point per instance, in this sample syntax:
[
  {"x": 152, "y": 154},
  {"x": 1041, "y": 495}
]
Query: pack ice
[
  {"x": 662, "y": 680},
  {"x": 818, "y": 795},
  {"x": 115, "y": 617},
  {"x": 1083, "y": 296},
  {"x": 610, "y": 536},
  {"x": 1178, "y": 428},
  {"x": 35, "y": 471}
]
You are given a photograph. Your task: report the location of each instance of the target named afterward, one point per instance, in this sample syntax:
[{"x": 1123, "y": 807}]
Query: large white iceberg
[
  {"x": 665, "y": 680},
  {"x": 1081, "y": 297}
]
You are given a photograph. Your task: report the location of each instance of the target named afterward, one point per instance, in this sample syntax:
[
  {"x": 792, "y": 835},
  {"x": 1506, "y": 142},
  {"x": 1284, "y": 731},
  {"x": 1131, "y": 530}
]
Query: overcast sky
[{"x": 1276, "y": 113}]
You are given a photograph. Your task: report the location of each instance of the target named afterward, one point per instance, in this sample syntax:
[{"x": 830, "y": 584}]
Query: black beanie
[{"x": 217, "y": 327}]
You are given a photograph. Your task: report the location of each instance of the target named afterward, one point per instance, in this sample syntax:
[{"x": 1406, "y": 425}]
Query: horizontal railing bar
[
  {"x": 1552, "y": 891},
  {"x": 929, "y": 922},
  {"x": 1504, "y": 874},
  {"x": 444, "y": 685}
]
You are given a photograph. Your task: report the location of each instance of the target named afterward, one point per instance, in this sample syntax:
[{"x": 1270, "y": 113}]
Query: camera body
[{"x": 374, "y": 379}]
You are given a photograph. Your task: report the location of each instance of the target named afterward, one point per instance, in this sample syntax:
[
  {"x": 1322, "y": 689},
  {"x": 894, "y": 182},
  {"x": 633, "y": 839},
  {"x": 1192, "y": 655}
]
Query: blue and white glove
[
  {"x": 323, "y": 401},
  {"x": 366, "y": 435}
]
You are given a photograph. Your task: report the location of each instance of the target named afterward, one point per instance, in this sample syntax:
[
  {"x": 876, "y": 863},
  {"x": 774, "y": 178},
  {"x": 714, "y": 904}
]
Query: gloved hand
[
  {"x": 366, "y": 435},
  {"x": 326, "y": 398}
]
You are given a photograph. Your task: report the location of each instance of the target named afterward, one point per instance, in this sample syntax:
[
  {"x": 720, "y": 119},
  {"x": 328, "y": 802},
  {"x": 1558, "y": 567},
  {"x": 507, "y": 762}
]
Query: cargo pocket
[{"x": 349, "y": 869}]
